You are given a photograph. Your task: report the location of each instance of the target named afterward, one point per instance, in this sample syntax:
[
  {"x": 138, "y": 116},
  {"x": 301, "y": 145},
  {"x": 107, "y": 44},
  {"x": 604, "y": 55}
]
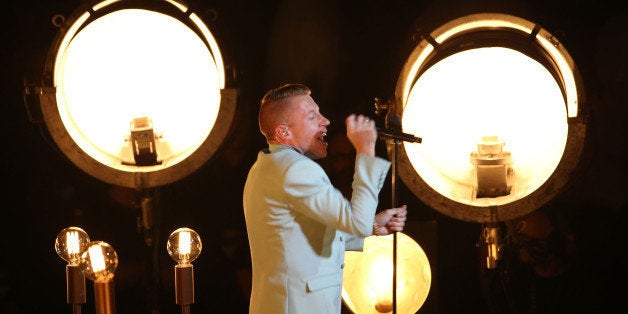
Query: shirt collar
[{"x": 273, "y": 148}]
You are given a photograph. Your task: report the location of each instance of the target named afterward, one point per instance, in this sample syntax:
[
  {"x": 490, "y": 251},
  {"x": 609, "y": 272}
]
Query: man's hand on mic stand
[{"x": 390, "y": 221}]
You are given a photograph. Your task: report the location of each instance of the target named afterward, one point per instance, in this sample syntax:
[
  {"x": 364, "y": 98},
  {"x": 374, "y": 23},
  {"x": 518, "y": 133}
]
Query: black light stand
[
  {"x": 75, "y": 287},
  {"x": 184, "y": 286}
]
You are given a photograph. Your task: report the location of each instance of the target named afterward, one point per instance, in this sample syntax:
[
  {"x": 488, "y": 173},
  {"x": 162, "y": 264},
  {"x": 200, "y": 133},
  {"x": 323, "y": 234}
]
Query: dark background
[{"x": 572, "y": 258}]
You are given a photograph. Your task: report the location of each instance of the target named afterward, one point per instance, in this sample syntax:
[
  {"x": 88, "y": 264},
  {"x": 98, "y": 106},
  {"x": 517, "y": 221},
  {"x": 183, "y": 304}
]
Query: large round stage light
[
  {"x": 134, "y": 92},
  {"x": 497, "y": 101}
]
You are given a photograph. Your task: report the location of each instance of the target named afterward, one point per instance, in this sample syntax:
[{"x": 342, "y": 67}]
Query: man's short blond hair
[{"x": 273, "y": 107}]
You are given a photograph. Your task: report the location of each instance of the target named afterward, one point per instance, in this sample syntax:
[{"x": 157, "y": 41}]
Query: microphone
[{"x": 398, "y": 135}]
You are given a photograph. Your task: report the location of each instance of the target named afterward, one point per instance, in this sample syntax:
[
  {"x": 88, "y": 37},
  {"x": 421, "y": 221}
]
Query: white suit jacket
[{"x": 299, "y": 226}]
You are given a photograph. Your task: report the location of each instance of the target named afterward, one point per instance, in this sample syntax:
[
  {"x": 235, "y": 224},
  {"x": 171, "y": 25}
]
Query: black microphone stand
[
  {"x": 394, "y": 133},
  {"x": 393, "y": 196}
]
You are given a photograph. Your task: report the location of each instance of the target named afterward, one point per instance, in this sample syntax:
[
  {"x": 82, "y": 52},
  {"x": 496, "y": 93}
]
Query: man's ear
[{"x": 282, "y": 130}]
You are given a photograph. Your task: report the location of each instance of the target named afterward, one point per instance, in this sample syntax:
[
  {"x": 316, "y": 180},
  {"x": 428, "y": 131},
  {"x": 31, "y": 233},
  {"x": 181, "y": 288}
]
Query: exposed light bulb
[
  {"x": 184, "y": 245},
  {"x": 99, "y": 261},
  {"x": 70, "y": 244}
]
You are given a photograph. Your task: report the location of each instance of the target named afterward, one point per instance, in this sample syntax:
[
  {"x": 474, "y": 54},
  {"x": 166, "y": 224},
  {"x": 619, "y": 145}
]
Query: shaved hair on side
[{"x": 273, "y": 107}]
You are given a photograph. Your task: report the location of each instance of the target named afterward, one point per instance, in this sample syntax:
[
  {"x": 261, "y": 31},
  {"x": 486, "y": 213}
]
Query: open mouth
[{"x": 321, "y": 138}]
